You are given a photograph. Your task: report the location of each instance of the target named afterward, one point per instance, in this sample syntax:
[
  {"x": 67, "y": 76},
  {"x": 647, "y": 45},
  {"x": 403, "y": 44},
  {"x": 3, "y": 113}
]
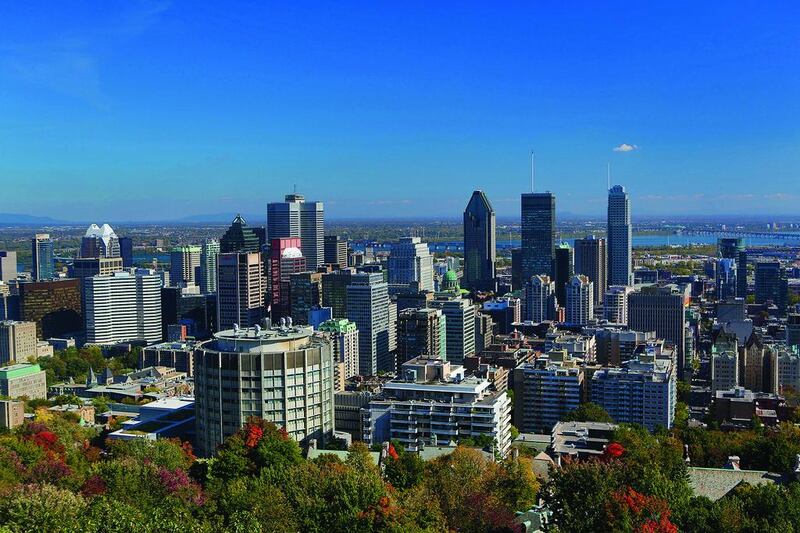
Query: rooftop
[{"x": 18, "y": 370}]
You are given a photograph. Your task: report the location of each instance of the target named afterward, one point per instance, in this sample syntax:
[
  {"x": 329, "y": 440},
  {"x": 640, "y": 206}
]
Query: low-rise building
[
  {"x": 23, "y": 379},
  {"x": 17, "y": 341},
  {"x": 177, "y": 355},
  {"x": 12, "y": 414},
  {"x": 435, "y": 403},
  {"x": 580, "y": 440}
]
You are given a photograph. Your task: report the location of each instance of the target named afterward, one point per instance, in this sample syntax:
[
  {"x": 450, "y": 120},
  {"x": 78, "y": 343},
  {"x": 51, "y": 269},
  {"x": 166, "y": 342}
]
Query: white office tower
[
  {"x": 183, "y": 264},
  {"x": 619, "y": 237},
  {"x": 295, "y": 217},
  {"x": 123, "y": 306},
  {"x": 615, "y": 304},
  {"x": 368, "y": 307},
  {"x": 540, "y": 299},
  {"x": 459, "y": 316},
  {"x": 580, "y": 300},
  {"x": 433, "y": 403},
  {"x": 411, "y": 261},
  {"x": 208, "y": 266}
]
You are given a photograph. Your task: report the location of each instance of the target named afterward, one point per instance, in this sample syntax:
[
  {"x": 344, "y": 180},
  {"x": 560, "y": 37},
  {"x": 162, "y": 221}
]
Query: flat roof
[{"x": 18, "y": 370}]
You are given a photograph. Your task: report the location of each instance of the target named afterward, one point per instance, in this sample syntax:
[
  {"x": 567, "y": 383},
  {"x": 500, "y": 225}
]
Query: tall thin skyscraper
[
  {"x": 538, "y": 234},
  {"x": 126, "y": 251},
  {"x": 208, "y": 266},
  {"x": 619, "y": 237},
  {"x": 590, "y": 260},
  {"x": 240, "y": 290},
  {"x": 479, "y": 243},
  {"x": 368, "y": 307},
  {"x": 564, "y": 270},
  {"x": 42, "y": 257},
  {"x": 295, "y": 217}
]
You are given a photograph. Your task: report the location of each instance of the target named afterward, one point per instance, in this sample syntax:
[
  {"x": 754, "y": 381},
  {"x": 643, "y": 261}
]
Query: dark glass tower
[
  {"x": 619, "y": 237},
  {"x": 538, "y": 233},
  {"x": 564, "y": 270},
  {"x": 239, "y": 238},
  {"x": 479, "y": 243}
]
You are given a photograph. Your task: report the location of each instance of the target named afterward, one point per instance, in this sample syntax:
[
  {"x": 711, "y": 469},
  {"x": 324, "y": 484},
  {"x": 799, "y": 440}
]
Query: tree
[{"x": 588, "y": 412}]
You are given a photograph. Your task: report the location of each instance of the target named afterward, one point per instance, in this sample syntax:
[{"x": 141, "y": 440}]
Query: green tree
[{"x": 588, "y": 412}]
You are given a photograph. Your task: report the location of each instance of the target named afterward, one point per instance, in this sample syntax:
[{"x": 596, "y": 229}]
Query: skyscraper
[
  {"x": 421, "y": 332},
  {"x": 615, "y": 304},
  {"x": 479, "y": 243},
  {"x": 459, "y": 314},
  {"x": 772, "y": 284},
  {"x": 538, "y": 233},
  {"x": 42, "y": 257},
  {"x": 368, "y": 307},
  {"x": 619, "y": 237},
  {"x": 335, "y": 251},
  {"x": 239, "y": 238},
  {"x": 733, "y": 249},
  {"x": 285, "y": 259},
  {"x": 334, "y": 291},
  {"x": 240, "y": 290},
  {"x": 100, "y": 242},
  {"x": 580, "y": 300},
  {"x": 590, "y": 260},
  {"x": 661, "y": 309},
  {"x": 563, "y": 270},
  {"x": 410, "y": 261},
  {"x": 126, "y": 251},
  {"x": 123, "y": 306},
  {"x": 184, "y": 262},
  {"x": 208, "y": 266},
  {"x": 295, "y": 217},
  {"x": 8, "y": 265}
]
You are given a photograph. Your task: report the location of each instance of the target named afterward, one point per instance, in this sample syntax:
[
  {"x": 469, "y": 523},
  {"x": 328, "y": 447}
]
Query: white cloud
[{"x": 625, "y": 147}]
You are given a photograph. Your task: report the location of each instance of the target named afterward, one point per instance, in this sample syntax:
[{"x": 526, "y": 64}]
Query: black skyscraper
[
  {"x": 538, "y": 233},
  {"x": 126, "y": 251},
  {"x": 479, "y": 243},
  {"x": 564, "y": 270},
  {"x": 239, "y": 238}
]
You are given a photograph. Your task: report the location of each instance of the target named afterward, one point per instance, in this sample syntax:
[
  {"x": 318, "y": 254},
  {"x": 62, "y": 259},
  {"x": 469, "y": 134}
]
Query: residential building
[
  {"x": 540, "y": 299},
  {"x": 433, "y": 403},
  {"x": 620, "y": 258},
  {"x": 18, "y": 341},
  {"x": 484, "y": 331},
  {"x": 42, "y": 257},
  {"x": 23, "y": 379},
  {"x": 479, "y": 243},
  {"x": 580, "y": 300},
  {"x": 184, "y": 265},
  {"x": 282, "y": 375},
  {"x": 344, "y": 342},
  {"x": 758, "y": 366},
  {"x": 459, "y": 314},
  {"x": 285, "y": 259},
  {"x": 546, "y": 390},
  {"x": 123, "y": 306},
  {"x": 368, "y": 307},
  {"x": 661, "y": 308},
  {"x": 240, "y": 290},
  {"x": 54, "y": 304},
  {"x": 8, "y": 266},
  {"x": 410, "y": 261},
  {"x": 615, "y": 304},
  {"x": 208, "y": 266},
  {"x": 347, "y": 411},
  {"x": 591, "y": 261},
  {"x": 335, "y": 251},
  {"x": 538, "y": 234},
  {"x": 100, "y": 242},
  {"x": 421, "y": 332},
  {"x": 788, "y": 362},
  {"x": 177, "y": 355},
  {"x": 642, "y": 391},
  {"x": 297, "y": 218},
  {"x": 724, "y": 368}
]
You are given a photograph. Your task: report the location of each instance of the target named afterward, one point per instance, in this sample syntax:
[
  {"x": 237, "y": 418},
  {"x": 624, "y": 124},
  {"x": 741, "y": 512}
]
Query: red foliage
[
  {"x": 283, "y": 433},
  {"x": 47, "y": 440},
  {"x": 177, "y": 483},
  {"x": 186, "y": 446},
  {"x": 254, "y": 434},
  {"x": 93, "y": 486},
  {"x": 648, "y": 514},
  {"x": 614, "y": 450},
  {"x": 50, "y": 469},
  {"x": 393, "y": 452}
]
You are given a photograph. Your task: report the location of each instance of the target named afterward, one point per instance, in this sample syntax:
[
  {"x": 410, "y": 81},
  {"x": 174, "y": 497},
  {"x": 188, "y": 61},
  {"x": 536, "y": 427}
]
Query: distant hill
[
  {"x": 17, "y": 218},
  {"x": 224, "y": 218}
]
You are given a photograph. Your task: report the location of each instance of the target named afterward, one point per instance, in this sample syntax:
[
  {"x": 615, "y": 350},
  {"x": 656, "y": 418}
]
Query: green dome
[{"x": 450, "y": 276}]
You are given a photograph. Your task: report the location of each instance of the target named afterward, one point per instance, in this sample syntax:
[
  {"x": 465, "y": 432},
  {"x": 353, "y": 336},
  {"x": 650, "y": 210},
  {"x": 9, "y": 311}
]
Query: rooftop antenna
[
  {"x": 533, "y": 171},
  {"x": 608, "y": 174}
]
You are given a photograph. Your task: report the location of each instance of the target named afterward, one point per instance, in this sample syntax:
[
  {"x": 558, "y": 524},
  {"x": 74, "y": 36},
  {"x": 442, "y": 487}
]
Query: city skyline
[{"x": 97, "y": 105}]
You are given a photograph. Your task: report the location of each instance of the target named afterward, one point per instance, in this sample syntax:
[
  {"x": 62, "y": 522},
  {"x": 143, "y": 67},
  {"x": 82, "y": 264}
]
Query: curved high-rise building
[
  {"x": 479, "y": 243},
  {"x": 283, "y": 375},
  {"x": 620, "y": 269}
]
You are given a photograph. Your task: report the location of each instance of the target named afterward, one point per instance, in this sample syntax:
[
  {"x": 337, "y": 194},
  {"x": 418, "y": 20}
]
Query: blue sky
[{"x": 157, "y": 110}]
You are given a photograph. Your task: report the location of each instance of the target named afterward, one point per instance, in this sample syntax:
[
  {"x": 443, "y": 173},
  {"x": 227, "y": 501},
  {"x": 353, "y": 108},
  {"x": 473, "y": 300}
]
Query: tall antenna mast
[
  {"x": 608, "y": 175},
  {"x": 533, "y": 171}
]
